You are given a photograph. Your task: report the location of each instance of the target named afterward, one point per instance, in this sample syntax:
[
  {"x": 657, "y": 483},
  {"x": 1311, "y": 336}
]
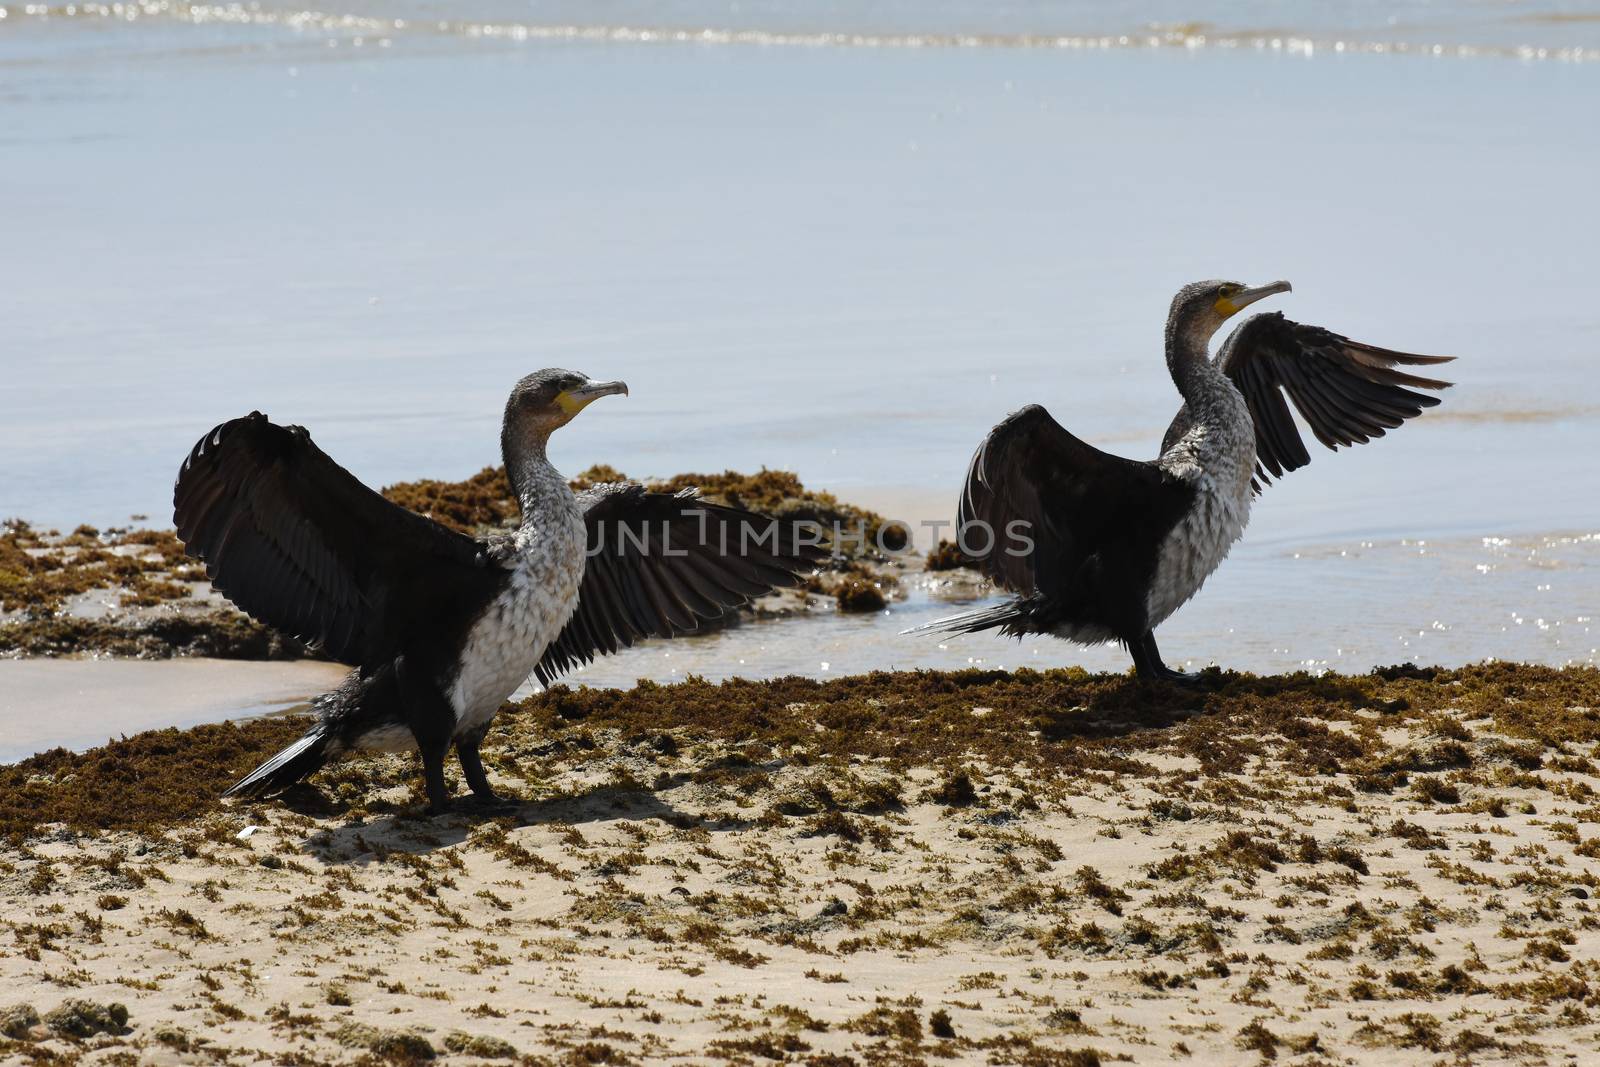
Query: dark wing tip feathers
[
  {"x": 1348, "y": 392},
  {"x": 701, "y": 567},
  {"x": 297, "y": 542}
]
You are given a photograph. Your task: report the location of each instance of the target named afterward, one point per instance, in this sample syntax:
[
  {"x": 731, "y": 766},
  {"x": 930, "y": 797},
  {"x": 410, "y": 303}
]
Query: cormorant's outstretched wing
[
  {"x": 658, "y": 563},
  {"x": 1347, "y": 391},
  {"x": 296, "y": 541},
  {"x": 1073, "y": 501}
]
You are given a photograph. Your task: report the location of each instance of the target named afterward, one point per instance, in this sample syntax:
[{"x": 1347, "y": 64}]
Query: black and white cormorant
[
  {"x": 443, "y": 627},
  {"x": 1101, "y": 548}
]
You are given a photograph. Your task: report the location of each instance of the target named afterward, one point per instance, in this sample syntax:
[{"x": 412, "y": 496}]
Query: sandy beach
[{"x": 1033, "y": 868}]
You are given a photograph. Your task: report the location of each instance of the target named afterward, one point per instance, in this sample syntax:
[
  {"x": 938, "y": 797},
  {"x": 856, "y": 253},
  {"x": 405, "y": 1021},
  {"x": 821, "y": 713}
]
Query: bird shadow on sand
[
  {"x": 412, "y": 831},
  {"x": 1136, "y": 706},
  {"x": 1130, "y": 708}
]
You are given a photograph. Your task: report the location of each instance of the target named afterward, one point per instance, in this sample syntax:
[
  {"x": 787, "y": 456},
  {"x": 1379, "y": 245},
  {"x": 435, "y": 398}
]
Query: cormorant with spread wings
[
  {"x": 1101, "y": 548},
  {"x": 443, "y": 627}
]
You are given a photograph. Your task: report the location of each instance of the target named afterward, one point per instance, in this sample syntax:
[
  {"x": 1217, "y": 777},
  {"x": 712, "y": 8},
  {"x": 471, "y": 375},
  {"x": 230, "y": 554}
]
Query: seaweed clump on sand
[
  {"x": 148, "y": 781},
  {"x": 857, "y": 577},
  {"x": 163, "y": 606},
  {"x": 781, "y": 495},
  {"x": 221, "y": 633},
  {"x": 483, "y": 500},
  {"x": 18, "y": 1020},
  {"x": 41, "y": 570},
  {"x": 946, "y": 556},
  {"x": 1059, "y": 725},
  {"x": 858, "y": 595},
  {"x": 86, "y": 1018},
  {"x": 486, "y": 500}
]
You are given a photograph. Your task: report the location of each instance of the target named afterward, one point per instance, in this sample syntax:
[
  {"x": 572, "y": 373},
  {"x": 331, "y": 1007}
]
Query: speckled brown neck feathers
[{"x": 523, "y": 441}]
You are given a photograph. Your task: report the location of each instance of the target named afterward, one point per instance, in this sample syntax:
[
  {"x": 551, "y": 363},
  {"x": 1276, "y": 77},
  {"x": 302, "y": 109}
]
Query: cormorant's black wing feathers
[
  {"x": 1347, "y": 391},
  {"x": 658, "y": 563},
  {"x": 1075, "y": 500},
  {"x": 299, "y": 543}
]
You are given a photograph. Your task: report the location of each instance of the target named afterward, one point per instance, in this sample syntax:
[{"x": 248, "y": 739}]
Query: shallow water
[
  {"x": 1353, "y": 605},
  {"x": 847, "y": 261},
  {"x": 1566, "y": 29},
  {"x": 79, "y": 703}
]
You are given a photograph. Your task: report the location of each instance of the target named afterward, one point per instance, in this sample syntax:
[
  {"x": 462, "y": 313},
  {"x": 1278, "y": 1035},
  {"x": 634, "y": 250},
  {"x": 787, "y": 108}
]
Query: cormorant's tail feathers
[
  {"x": 287, "y": 768},
  {"x": 1011, "y": 618}
]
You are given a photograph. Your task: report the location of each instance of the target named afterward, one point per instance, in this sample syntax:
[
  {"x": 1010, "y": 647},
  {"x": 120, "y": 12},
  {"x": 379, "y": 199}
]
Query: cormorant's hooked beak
[
  {"x": 1232, "y": 305},
  {"x": 573, "y": 401}
]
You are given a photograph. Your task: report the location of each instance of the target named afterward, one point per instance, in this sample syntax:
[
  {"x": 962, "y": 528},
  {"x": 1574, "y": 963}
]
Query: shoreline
[
  {"x": 45, "y": 706},
  {"x": 120, "y": 600},
  {"x": 132, "y": 592},
  {"x": 1023, "y": 868},
  {"x": 1414, "y": 41}
]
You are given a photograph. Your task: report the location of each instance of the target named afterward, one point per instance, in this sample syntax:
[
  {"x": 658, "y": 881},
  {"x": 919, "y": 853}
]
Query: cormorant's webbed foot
[
  {"x": 1147, "y": 663},
  {"x": 484, "y": 798},
  {"x": 492, "y": 804},
  {"x": 472, "y": 768},
  {"x": 1184, "y": 678}
]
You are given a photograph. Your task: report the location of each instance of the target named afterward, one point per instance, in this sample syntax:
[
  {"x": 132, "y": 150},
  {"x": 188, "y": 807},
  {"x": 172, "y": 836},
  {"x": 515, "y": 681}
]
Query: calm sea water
[{"x": 841, "y": 238}]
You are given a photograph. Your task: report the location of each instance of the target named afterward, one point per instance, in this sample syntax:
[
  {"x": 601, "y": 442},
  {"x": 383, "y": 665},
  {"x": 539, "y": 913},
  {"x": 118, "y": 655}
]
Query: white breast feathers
[
  {"x": 1217, "y": 457},
  {"x": 507, "y": 641}
]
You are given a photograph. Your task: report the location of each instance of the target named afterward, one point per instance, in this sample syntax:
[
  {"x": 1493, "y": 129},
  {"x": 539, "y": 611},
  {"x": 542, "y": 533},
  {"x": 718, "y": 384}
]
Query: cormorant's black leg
[
  {"x": 1147, "y": 662},
  {"x": 432, "y": 720},
  {"x": 472, "y": 767},
  {"x": 433, "y": 774},
  {"x": 1144, "y": 666}
]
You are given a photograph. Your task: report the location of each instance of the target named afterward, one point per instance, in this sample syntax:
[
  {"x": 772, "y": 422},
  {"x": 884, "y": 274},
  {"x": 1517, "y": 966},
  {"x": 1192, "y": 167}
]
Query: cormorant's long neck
[
  {"x": 541, "y": 490},
  {"x": 1189, "y": 360}
]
